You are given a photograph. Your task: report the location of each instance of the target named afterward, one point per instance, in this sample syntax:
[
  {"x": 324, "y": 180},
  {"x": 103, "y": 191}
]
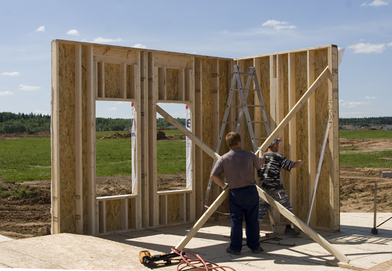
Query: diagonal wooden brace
[{"x": 302, "y": 226}]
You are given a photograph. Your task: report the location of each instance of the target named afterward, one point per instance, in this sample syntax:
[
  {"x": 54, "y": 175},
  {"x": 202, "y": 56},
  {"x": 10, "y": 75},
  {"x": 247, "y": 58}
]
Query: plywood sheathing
[
  {"x": 302, "y": 182},
  {"x": 207, "y": 121},
  {"x": 322, "y": 116},
  {"x": 66, "y": 132},
  {"x": 98, "y": 72}
]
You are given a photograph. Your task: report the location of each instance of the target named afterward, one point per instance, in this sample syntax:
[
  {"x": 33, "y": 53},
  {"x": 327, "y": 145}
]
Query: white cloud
[
  {"x": 351, "y": 104},
  {"x": 28, "y": 88},
  {"x": 278, "y": 25},
  {"x": 112, "y": 109},
  {"x": 368, "y": 48},
  {"x": 370, "y": 98},
  {"x": 40, "y": 29},
  {"x": 139, "y": 45},
  {"x": 73, "y": 32},
  {"x": 6, "y": 93},
  {"x": 389, "y": 44},
  {"x": 11, "y": 73},
  {"x": 376, "y": 3},
  {"x": 103, "y": 40}
]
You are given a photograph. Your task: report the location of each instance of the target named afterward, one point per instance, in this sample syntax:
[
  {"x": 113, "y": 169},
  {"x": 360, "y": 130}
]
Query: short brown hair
[{"x": 232, "y": 139}]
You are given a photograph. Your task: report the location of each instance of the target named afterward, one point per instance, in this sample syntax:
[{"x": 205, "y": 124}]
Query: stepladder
[{"x": 238, "y": 107}]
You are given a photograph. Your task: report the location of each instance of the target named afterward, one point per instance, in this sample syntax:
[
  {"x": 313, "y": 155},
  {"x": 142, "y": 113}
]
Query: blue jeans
[{"x": 244, "y": 203}]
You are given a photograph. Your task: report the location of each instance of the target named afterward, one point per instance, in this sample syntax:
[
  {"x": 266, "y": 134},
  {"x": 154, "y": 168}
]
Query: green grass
[
  {"x": 382, "y": 159},
  {"x": 171, "y": 156},
  {"x": 25, "y": 159},
  {"x": 365, "y": 134},
  {"x": 113, "y": 156},
  {"x": 30, "y": 158}
]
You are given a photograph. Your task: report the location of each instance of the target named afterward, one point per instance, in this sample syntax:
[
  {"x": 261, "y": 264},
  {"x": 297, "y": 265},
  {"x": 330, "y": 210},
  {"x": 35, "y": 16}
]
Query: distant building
[
  {"x": 347, "y": 127},
  {"x": 387, "y": 127}
]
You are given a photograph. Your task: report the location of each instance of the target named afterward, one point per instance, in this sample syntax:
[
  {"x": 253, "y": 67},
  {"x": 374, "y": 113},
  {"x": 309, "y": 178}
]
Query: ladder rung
[
  {"x": 248, "y": 73},
  {"x": 257, "y": 121}
]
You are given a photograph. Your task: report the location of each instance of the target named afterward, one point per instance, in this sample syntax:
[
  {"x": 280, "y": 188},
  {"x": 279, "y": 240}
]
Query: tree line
[
  {"x": 373, "y": 121},
  {"x": 34, "y": 123}
]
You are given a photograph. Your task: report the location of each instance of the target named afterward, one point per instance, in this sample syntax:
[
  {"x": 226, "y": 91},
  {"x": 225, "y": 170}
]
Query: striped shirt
[{"x": 270, "y": 172}]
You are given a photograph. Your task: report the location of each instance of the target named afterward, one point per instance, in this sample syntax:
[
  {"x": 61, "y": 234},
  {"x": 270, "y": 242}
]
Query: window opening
[
  {"x": 114, "y": 122},
  {"x": 173, "y": 149}
]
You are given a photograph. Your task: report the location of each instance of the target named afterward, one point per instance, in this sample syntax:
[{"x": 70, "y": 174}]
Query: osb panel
[
  {"x": 113, "y": 215},
  {"x": 172, "y": 84},
  {"x": 130, "y": 85},
  {"x": 284, "y": 80},
  {"x": 173, "y": 203},
  {"x": 302, "y": 183},
  {"x": 85, "y": 51},
  {"x": 264, "y": 82},
  {"x": 112, "y": 80},
  {"x": 322, "y": 111},
  {"x": 224, "y": 87},
  {"x": 67, "y": 137},
  {"x": 207, "y": 123},
  {"x": 173, "y": 61},
  {"x": 115, "y": 55}
]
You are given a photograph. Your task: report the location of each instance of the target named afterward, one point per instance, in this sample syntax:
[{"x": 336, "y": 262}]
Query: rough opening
[
  {"x": 173, "y": 149},
  {"x": 114, "y": 122}
]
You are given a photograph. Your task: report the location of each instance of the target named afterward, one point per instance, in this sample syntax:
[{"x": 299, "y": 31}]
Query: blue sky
[{"x": 222, "y": 28}]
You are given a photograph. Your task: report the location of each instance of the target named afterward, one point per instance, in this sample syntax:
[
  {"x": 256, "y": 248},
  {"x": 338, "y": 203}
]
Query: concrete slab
[
  {"x": 5, "y": 238},
  {"x": 121, "y": 251}
]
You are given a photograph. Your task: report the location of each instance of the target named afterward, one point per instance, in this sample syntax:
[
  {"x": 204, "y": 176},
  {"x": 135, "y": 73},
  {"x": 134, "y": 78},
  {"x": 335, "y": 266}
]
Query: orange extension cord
[{"x": 196, "y": 259}]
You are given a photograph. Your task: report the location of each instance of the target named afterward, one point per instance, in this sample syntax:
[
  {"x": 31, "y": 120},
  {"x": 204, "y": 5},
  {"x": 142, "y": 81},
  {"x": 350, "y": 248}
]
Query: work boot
[
  {"x": 258, "y": 250},
  {"x": 291, "y": 231},
  {"x": 230, "y": 251}
]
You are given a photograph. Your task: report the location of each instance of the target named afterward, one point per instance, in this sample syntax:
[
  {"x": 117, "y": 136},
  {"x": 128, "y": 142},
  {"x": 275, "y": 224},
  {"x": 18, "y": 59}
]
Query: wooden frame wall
[{"x": 83, "y": 73}]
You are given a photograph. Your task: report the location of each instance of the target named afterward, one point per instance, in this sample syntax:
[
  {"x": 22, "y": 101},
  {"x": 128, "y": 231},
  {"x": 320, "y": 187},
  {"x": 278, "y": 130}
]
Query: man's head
[
  {"x": 274, "y": 146},
  {"x": 232, "y": 139}
]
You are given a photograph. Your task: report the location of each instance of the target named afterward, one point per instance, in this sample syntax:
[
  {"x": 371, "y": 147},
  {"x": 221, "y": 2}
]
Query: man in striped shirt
[{"x": 270, "y": 181}]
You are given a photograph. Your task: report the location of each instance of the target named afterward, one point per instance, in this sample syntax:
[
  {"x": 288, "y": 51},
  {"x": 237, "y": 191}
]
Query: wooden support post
[
  {"x": 333, "y": 87},
  {"x": 124, "y": 214},
  {"x": 55, "y": 141},
  {"x": 78, "y": 140},
  {"x": 91, "y": 164},
  {"x": 292, "y": 128},
  {"x": 102, "y": 216}
]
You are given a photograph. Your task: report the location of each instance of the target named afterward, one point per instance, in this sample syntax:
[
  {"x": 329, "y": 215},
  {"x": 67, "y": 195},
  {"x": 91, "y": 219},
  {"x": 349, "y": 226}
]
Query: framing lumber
[{"x": 83, "y": 73}]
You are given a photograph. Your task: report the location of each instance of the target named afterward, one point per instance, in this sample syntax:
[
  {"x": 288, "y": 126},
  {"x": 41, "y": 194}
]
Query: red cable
[{"x": 188, "y": 261}]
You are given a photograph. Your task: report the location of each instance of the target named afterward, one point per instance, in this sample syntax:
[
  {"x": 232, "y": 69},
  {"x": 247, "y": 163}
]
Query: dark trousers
[{"x": 244, "y": 203}]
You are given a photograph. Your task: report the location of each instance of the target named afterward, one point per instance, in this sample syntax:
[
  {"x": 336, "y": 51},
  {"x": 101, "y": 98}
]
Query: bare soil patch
[{"x": 29, "y": 215}]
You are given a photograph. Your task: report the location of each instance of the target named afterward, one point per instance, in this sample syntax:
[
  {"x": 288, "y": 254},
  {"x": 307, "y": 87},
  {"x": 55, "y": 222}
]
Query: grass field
[
  {"x": 29, "y": 158},
  {"x": 365, "y": 134}
]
